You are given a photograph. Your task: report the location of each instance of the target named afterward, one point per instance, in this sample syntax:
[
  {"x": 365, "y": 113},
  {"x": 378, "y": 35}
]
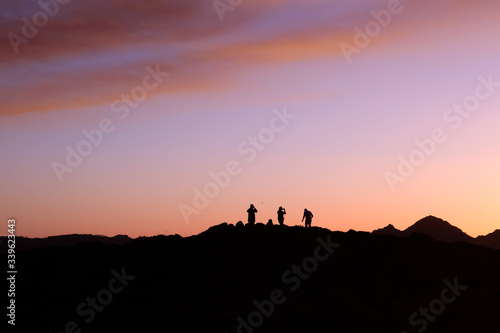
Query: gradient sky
[{"x": 227, "y": 79}]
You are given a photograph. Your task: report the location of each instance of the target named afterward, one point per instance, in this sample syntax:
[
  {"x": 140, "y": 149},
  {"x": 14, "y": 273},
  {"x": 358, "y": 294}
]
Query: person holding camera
[{"x": 281, "y": 215}]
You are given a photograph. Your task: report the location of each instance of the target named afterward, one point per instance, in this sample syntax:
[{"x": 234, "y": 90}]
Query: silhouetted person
[
  {"x": 281, "y": 215},
  {"x": 251, "y": 214},
  {"x": 308, "y": 216},
  {"x": 270, "y": 222}
]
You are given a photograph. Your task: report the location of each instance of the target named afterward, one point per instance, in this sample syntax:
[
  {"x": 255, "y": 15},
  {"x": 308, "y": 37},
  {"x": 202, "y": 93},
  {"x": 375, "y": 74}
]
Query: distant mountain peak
[
  {"x": 491, "y": 240},
  {"x": 389, "y": 230},
  {"x": 438, "y": 229},
  {"x": 432, "y": 219},
  {"x": 441, "y": 230}
]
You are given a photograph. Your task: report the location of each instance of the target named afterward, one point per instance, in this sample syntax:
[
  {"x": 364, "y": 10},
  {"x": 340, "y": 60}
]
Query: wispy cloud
[{"x": 91, "y": 51}]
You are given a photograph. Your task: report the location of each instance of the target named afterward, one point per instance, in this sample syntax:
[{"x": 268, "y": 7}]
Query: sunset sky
[{"x": 172, "y": 92}]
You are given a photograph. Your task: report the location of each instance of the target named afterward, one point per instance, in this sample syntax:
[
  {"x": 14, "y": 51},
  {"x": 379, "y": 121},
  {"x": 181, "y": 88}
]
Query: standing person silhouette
[
  {"x": 251, "y": 214},
  {"x": 281, "y": 215},
  {"x": 308, "y": 216}
]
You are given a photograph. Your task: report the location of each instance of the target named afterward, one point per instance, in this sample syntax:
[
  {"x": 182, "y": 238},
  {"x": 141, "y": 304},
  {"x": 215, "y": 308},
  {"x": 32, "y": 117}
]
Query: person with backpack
[{"x": 308, "y": 217}]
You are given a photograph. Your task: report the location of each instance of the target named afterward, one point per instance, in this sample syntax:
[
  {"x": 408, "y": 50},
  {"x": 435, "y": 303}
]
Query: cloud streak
[{"x": 92, "y": 51}]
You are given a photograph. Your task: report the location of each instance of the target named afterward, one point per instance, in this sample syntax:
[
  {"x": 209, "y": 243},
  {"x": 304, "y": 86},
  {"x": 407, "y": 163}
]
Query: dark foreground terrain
[{"x": 260, "y": 279}]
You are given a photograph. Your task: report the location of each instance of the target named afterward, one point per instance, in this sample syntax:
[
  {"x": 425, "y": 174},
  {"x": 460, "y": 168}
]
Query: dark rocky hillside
[{"x": 224, "y": 280}]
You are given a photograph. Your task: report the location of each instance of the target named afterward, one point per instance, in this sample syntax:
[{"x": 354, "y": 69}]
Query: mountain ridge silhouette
[
  {"x": 26, "y": 243},
  {"x": 205, "y": 282},
  {"x": 443, "y": 231},
  {"x": 432, "y": 226}
]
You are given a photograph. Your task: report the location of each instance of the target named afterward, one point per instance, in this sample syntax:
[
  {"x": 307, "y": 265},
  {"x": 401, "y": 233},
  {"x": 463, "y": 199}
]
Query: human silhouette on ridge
[
  {"x": 308, "y": 216},
  {"x": 281, "y": 215},
  {"x": 251, "y": 214}
]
